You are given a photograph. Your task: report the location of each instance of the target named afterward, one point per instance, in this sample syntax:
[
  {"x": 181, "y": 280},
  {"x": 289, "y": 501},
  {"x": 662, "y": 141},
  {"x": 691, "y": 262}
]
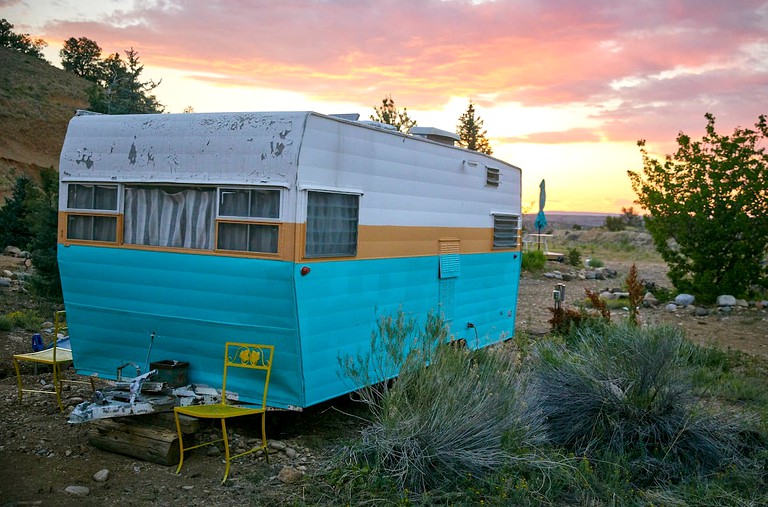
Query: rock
[
  {"x": 277, "y": 445},
  {"x": 5, "y": 282},
  {"x": 671, "y": 307},
  {"x": 289, "y": 475},
  {"x": 291, "y": 453},
  {"x": 650, "y": 299},
  {"x": 25, "y": 255},
  {"x": 589, "y": 275},
  {"x": 101, "y": 476},
  {"x": 620, "y": 294},
  {"x": 701, "y": 311},
  {"x": 608, "y": 295},
  {"x": 726, "y": 310},
  {"x": 684, "y": 299},
  {"x": 761, "y": 305},
  {"x": 8, "y": 274},
  {"x": 12, "y": 251},
  {"x": 742, "y": 303},
  {"x": 212, "y": 450},
  {"x": 726, "y": 300},
  {"x": 77, "y": 490},
  {"x": 610, "y": 273},
  {"x": 567, "y": 277}
]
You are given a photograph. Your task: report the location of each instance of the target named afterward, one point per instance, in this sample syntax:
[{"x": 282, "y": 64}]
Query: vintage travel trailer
[{"x": 179, "y": 232}]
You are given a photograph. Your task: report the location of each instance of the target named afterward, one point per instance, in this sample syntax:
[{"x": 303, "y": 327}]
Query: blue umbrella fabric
[{"x": 541, "y": 220}]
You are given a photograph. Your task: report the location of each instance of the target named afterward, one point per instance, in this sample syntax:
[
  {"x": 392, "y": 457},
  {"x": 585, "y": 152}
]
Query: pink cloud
[{"x": 538, "y": 53}]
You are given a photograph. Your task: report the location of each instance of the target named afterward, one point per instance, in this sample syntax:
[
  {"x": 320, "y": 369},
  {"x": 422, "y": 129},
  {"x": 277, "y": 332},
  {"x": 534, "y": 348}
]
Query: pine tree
[
  {"x": 470, "y": 130},
  {"x": 389, "y": 114}
]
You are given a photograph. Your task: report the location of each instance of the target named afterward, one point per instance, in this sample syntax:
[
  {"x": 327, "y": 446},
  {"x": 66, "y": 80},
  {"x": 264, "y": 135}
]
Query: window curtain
[
  {"x": 169, "y": 217},
  {"x": 331, "y": 224},
  {"x": 92, "y": 228}
]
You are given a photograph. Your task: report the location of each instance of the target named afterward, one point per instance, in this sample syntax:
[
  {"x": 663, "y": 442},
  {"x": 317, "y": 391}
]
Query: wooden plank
[
  {"x": 131, "y": 438},
  {"x": 189, "y": 425}
]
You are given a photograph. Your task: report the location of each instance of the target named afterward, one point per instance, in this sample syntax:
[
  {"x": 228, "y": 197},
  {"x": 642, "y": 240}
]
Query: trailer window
[
  {"x": 506, "y": 231},
  {"x": 332, "y": 224},
  {"x": 241, "y": 217},
  {"x": 177, "y": 217},
  {"x": 99, "y": 226}
]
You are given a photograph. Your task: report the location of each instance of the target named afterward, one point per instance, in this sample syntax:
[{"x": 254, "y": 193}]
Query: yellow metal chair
[
  {"x": 236, "y": 355},
  {"x": 55, "y": 356}
]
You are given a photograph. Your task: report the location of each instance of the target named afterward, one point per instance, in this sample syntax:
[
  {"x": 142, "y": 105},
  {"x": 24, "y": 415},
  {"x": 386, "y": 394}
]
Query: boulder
[
  {"x": 650, "y": 299},
  {"x": 684, "y": 299},
  {"x": 671, "y": 307},
  {"x": 701, "y": 311},
  {"x": 726, "y": 300},
  {"x": 742, "y": 303},
  {"x": 12, "y": 251}
]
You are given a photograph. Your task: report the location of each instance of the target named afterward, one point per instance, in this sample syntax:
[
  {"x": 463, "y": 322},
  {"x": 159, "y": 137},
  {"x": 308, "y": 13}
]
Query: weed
[
  {"x": 25, "y": 319},
  {"x": 635, "y": 289},
  {"x": 6, "y": 324}
]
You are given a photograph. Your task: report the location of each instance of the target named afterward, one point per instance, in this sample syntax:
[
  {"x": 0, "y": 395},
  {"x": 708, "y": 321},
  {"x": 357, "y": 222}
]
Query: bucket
[{"x": 173, "y": 373}]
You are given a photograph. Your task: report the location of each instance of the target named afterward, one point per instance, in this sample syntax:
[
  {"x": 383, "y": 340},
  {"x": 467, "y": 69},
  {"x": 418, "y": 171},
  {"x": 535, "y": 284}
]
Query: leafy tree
[
  {"x": 389, "y": 114},
  {"x": 120, "y": 89},
  {"x": 708, "y": 206},
  {"x": 14, "y": 223},
  {"x": 20, "y": 42},
  {"x": 82, "y": 57},
  {"x": 470, "y": 130}
]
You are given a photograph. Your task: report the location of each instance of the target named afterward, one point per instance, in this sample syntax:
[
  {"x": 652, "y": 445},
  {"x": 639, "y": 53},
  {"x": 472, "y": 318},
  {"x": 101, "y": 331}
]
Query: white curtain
[
  {"x": 331, "y": 224},
  {"x": 170, "y": 217}
]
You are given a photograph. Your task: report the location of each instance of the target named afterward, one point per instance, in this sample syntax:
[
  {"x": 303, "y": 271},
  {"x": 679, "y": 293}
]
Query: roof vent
[
  {"x": 378, "y": 125},
  {"x": 347, "y": 116},
  {"x": 433, "y": 134}
]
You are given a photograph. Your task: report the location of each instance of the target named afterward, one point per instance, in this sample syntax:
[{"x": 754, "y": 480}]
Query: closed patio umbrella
[{"x": 541, "y": 220}]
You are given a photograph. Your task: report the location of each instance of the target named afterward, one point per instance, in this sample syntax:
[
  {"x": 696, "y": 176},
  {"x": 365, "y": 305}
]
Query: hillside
[{"x": 37, "y": 100}]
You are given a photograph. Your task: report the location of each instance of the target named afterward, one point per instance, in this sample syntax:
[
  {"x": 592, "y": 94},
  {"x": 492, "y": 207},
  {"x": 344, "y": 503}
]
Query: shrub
[
  {"x": 25, "y": 319},
  {"x": 574, "y": 257},
  {"x": 614, "y": 224},
  {"x": 6, "y": 324},
  {"x": 535, "y": 260},
  {"x": 627, "y": 391},
  {"x": 435, "y": 424},
  {"x": 594, "y": 262}
]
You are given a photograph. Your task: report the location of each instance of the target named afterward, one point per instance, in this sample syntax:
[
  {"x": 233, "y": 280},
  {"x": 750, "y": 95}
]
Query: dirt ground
[{"x": 41, "y": 455}]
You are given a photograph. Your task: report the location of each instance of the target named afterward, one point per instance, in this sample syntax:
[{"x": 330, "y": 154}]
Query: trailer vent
[
  {"x": 433, "y": 134},
  {"x": 492, "y": 177}
]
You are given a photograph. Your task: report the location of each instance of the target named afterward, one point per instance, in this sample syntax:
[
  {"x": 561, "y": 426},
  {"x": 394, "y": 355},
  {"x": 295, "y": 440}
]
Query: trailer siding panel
[{"x": 116, "y": 298}]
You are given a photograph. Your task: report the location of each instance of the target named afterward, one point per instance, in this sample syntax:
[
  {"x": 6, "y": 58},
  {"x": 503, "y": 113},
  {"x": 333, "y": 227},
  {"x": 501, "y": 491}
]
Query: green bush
[
  {"x": 628, "y": 391},
  {"x": 533, "y": 261},
  {"x": 6, "y": 324},
  {"x": 573, "y": 257},
  {"x": 25, "y": 319},
  {"x": 594, "y": 262}
]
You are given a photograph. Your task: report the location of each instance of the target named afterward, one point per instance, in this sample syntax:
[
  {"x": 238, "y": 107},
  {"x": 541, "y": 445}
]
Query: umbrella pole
[{"x": 539, "y": 238}]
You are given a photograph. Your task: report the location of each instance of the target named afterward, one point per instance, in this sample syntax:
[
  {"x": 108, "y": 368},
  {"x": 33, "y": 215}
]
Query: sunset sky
[{"x": 565, "y": 87}]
